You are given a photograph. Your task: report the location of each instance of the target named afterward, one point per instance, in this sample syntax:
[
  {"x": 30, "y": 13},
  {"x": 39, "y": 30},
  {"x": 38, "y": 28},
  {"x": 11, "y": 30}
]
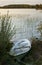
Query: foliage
[{"x": 6, "y": 34}]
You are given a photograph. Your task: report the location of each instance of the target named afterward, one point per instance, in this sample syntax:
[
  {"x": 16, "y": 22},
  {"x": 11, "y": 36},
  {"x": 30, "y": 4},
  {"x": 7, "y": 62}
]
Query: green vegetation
[{"x": 6, "y": 34}]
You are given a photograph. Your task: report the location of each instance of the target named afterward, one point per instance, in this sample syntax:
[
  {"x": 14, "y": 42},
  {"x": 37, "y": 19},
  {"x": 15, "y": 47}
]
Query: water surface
[{"x": 26, "y": 22}]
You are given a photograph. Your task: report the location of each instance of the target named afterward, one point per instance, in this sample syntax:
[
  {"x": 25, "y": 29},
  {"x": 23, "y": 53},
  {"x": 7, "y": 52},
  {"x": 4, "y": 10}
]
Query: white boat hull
[{"x": 22, "y": 46}]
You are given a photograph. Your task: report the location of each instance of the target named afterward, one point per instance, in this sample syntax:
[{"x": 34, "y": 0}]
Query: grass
[
  {"x": 6, "y": 34},
  {"x": 33, "y": 57}
]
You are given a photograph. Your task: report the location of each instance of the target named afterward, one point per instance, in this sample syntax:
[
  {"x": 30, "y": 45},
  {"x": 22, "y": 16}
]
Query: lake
[{"x": 25, "y": 21}]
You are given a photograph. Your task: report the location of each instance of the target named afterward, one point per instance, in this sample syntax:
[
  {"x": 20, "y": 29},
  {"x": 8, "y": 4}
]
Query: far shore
[{"x": 20, "y": 6}]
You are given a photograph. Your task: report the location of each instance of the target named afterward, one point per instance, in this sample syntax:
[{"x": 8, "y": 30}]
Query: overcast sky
[{"x": 6, "y": 2}]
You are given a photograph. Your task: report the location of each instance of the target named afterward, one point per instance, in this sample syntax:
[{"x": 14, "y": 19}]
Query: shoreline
[{"x": 22, "y": 6}]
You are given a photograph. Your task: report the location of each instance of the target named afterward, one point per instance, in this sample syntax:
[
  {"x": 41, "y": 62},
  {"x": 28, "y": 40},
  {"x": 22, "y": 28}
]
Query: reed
[{"x": 6, "y": 34}]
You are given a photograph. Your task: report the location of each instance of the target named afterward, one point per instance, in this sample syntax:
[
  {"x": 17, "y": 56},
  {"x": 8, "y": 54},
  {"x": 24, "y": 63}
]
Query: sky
[{"x": 7, "y": 2}]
